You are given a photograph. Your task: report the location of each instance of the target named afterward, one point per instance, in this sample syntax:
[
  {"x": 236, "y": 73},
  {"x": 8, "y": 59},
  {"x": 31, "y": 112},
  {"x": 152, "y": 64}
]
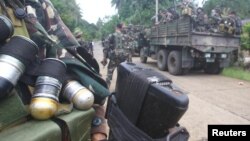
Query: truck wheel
[
  {"x": 213, "y": 68},
  {"x": 174, "y": 63},
  {"x": 143, "y": 57},
  {"x": 162, "y": 59}
]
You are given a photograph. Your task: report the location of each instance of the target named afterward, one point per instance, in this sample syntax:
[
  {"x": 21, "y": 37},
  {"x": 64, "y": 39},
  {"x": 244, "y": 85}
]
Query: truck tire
[
  {"x": 174, "y": 63},
  {"x": 162, "y": 59},
  {"x": 143, "y": 57},
  {"x": 213, "y": 68}
]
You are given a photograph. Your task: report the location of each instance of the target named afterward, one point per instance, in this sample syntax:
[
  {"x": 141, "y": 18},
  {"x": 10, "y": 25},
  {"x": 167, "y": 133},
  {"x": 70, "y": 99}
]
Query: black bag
[
  {"x": 149, "y": 101},
  {"x": 121, "y": 129}
]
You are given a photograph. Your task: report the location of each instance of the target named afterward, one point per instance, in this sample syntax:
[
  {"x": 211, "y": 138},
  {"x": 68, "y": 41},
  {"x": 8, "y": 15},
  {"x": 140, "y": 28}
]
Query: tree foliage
[
  {"x": 139, "y": 11},
  {"x": 239, "y": 6},
  {"x": 245, "y": 38},
  {"x": 109, "y": 26},
  {"x": 71, "y": 14}
]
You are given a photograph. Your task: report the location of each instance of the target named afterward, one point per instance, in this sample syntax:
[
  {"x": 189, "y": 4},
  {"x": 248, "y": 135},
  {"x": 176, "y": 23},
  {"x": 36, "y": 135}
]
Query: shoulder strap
[
  {"x": 123, "y": 130},
  {"x": 120, "y": 127}
]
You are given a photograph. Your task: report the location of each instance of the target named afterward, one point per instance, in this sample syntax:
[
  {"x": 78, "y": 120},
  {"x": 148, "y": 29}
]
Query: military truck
[{"x": 178, "y": 47}]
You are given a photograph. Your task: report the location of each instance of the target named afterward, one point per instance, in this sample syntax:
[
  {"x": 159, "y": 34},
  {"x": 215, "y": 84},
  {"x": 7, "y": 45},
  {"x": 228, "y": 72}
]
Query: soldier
[
  {"x": 172, "y": 14},
  {"x": 91, "y": 48},
  {"x": 216, "y": 18},
  {"x": 186, "y": 7},
  {"x": 78, "y": 36},
  {"x": 216, "y": 14},
  {"x": 201, "y": 20},
  {"x": 237, "y": 22},
  {"x": 115, "y": 52},
  {"x": 165, "y": 16},
  {"x": 106, "y": 48},
  {"x": 86, "y": 45},
  {"x": 162, "y": 14},
  {"x": 128, "y": 41}
]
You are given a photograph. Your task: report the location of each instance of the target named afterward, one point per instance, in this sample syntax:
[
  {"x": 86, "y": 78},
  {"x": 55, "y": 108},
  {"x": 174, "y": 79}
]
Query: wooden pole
[{"x": 156, "y": 11}]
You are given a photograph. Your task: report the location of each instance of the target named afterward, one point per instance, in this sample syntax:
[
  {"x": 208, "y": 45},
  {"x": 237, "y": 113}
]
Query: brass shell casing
[{"x": 43, "y": 108}]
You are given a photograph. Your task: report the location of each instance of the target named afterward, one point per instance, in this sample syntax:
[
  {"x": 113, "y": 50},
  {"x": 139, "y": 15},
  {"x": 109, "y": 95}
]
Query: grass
[{"x": 238, "y": 73}]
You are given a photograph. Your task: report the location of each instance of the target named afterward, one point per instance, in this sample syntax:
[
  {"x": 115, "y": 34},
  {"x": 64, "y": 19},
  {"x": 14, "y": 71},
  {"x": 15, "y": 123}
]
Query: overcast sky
[{"x": 94, "y": 9}]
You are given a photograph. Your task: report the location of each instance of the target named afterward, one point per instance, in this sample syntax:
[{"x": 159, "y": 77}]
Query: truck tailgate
[{"x": 214, "y": 42}]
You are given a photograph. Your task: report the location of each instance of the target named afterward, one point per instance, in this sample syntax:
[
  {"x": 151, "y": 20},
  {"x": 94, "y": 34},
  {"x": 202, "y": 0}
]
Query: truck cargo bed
[{"x": 180, "y": 33}]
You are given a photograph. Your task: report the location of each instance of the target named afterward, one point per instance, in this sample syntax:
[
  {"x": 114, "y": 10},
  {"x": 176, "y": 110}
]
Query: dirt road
[{"x": 213, "y": 99}]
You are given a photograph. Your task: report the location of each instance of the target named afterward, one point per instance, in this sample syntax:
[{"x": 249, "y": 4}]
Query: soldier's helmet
[
  {"x": 130, "y": 26},
  {"x": 171, "y": 9},
  {"x": 161, "y": 11},
  {"x": 218, "y": 9},
  {"x": 78, "y": 33},
  {"x": 199, "y": 10},
  {"x": 120, "y": 25}
]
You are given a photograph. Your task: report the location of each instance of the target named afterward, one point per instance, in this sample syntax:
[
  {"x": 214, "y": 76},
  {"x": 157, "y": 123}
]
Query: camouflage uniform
[
  {"x": 78, "y": 36},
  {"x": 163, "y": 16},
  {"x": 215, "y": 19},
  {"x": 51, "y": 33},
  {"x": 116, "y": 53},
  {"x": 238, "y": 26},
  {"x": 186, "y": 7},
  {"x": 237, "y": 22},
  {"x": 128, "y": 47},
  {"x": 216, "y": 14},
  {"x": 48, "y": 31},
  {"x": 201, "y": 22}
]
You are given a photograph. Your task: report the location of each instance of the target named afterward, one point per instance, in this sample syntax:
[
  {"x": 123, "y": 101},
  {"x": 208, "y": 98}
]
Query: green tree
[
  {"x": 109, "y": 26},
  {"x": 245, "y": 38},
  {"x": 69, "y": 11},
  {"x": 240, "y": 6},
  {"x": 139, "y": 11},
  {"x": 71, "y": 14}
]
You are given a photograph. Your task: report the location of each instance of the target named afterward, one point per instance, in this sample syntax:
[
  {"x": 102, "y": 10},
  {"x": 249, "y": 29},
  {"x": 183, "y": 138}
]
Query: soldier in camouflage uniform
[
  {"x": 187, "y": 7},
  {"x": 237, "y": 21},
  {"x": 201, "y": 20},
  {"x": 78, "y": 36},
  {"x": 115, "y": 52},
  {"x": 48, "y": 31},
  {"x": 128, "y": 41},
  {"x": 216, "y": 18}
]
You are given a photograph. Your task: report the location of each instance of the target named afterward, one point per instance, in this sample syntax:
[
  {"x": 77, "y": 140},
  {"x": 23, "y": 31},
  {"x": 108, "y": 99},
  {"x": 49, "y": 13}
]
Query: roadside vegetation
[
  {"x": 237, "y": 72},
  {"x": 242, "y": 69},
  {"x": 71, "y": 14}
]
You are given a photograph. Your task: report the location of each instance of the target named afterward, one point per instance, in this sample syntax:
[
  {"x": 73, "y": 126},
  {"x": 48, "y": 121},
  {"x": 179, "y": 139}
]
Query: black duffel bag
[{"x": 145, "y": 106}]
